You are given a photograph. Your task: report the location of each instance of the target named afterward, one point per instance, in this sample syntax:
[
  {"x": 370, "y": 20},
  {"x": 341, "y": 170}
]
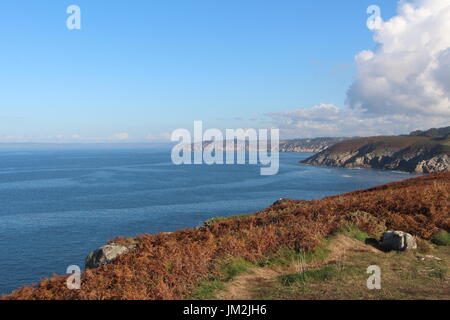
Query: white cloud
[
  {"x": 409, "y": 72},
  {"x": 401, "y": 86},
  {"x": 328, "y": 120}
]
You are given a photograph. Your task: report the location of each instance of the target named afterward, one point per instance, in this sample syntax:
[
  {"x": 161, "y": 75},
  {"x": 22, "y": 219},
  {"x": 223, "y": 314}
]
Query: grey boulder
[
  {"x": 106, "y": 254},
  {"x": 398, "y": 241}
]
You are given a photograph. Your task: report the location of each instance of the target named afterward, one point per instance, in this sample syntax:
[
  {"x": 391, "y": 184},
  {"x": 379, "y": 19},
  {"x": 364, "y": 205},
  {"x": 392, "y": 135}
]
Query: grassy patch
[
  {"x": 441, "y": 238},
  {"x": 320, "y": 254},
  {"x": 283, "y": 257},
  {"x": 424, "y": 246},
  {"x": 286, "y": 256},
  {"x": 221, "y": 219},
  {"x": 230, "y": 268},
  {"x": 322, "y": 274},
  {"x": 354, "y": 232},
  {"x": 439, "y": 273},
  {"x": 207, "y": 290}
]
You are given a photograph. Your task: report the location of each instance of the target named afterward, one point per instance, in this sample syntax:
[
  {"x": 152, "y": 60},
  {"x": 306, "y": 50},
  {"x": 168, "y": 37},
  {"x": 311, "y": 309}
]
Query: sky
[{"x": 137, "y": 70}]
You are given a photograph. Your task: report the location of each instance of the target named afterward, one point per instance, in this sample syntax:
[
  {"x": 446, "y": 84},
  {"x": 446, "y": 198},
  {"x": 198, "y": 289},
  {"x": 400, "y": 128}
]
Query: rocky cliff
[{"x": 412, "y": 153}]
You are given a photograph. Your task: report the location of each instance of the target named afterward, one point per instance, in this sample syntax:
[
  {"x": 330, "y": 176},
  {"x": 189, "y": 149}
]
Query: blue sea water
[{"x": 58, "y": 205}]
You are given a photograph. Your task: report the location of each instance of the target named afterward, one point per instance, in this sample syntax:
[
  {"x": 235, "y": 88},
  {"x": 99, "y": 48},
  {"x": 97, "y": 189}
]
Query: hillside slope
[
  {"x": 308, "y": 145},
  {"x": 422, "y": 152},
  {"x": 171, "y": 266}
]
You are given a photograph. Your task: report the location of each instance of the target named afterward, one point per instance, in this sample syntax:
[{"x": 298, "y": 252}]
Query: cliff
[
  {"x": 421, "y": 151},
  {"x": 308, "y": 145}
]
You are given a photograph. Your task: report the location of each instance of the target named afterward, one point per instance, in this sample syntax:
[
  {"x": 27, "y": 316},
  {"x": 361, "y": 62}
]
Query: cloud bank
[
  {"x": 402, "y": 85},
  {"x": 409, "y": 72}
]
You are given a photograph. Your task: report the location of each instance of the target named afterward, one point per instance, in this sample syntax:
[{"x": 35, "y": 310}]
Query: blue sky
[{"x": 149, "y": 67}]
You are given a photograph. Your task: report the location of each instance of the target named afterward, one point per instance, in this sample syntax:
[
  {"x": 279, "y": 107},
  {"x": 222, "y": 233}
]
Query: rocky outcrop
[
  {"x": 420, "y": 162},
  {"x": 397, "y": 241},
  {"x": 282, "y": 201},
  {"x": 106, "y": 254},
  {"x": 440, "y": 163},
  {"x": 403, "y": 153}
]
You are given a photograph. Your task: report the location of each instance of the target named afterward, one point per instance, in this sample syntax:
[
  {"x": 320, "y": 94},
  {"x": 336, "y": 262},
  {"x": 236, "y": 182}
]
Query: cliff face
[{"x": 405, "y": 153}]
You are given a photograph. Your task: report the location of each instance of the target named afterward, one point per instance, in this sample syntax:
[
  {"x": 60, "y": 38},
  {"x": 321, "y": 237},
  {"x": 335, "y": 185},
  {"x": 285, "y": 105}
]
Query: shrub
[
  {"x": 441, "y": 238},
  {"x": 353, "y": 231},
  {"x": 365, "y": 221}
]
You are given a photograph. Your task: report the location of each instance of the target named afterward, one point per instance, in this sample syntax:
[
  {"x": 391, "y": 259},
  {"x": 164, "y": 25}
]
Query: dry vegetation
[
  {"x": 396, "y": 143},
  {"x": 169, "y": 266}
]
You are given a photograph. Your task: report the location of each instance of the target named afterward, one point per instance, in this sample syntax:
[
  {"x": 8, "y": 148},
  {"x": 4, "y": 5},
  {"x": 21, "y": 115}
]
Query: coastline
[{"x": 260, "y": 224}]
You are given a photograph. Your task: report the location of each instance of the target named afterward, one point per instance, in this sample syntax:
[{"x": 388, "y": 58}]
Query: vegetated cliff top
[
  {"x": 433, "y": 133},
  {"x": 421, "y": 151},
  {"x": 437, "y": 143},
  {"x": 170, "y": 266}
]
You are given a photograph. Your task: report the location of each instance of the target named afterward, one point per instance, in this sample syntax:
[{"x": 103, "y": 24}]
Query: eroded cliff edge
[{"x": 421, "y": 151}]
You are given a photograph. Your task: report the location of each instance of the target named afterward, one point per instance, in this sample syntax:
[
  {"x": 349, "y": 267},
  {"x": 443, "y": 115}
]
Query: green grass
[
  {"x": 322, "y": 274},
  {"x": 220, "y": 219},
  {"x": 230, "y": 268},
  {"x": 441, "y": 238},
  {"x": 439, "y": 273},
  {"x": 320, "y": 254},
  {"x": 286, "y": 256},
  {"x": 207, "y": 290},
  {"x": 354, "y": 232},
  {"x": 283, "y": 257}
]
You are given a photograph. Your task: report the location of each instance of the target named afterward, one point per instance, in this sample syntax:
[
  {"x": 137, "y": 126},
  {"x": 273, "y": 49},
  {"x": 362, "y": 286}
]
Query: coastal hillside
[
  {"x": 190, "y": 263},
  {"x": 421, "y": 151},
  {"x": 308, "y": 145}
]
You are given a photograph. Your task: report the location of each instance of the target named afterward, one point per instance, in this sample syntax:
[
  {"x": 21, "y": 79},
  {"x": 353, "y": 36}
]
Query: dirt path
[{"x": 244, "y": 286}]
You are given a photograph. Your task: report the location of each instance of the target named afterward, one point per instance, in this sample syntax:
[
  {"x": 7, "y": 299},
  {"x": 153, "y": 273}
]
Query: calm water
[{"x": 58, "y": 205}]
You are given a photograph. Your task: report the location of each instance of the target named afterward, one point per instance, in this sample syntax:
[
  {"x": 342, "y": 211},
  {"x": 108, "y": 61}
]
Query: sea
[{"x": 57, "y": 205}]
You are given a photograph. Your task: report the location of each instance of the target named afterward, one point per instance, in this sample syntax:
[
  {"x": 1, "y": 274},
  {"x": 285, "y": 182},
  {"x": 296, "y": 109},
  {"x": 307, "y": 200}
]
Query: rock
[
  {"x": 398, "y": 241},
  {"x": 440, "y": 163},
  {"x": 106, "y": 254},
  {"x": 428, "y": 258},
  {"x": 282, "y": 201}
]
